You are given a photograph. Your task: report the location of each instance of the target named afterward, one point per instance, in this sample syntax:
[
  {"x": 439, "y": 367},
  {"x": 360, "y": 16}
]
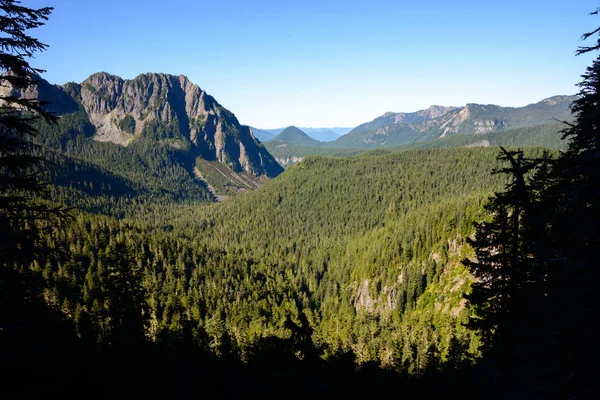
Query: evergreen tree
[
  {"x": 20, "y": 160},
  {"x": 127, "y": 308},
  {"x": 29, "y": 326},
  {"x": 570, "y": 196},
  {"x": 503, "y": 246},
  {"x": 555, "y": 252}
]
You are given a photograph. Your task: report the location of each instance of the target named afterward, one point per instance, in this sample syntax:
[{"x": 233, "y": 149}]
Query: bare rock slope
[{"x": 168, "y": 107}]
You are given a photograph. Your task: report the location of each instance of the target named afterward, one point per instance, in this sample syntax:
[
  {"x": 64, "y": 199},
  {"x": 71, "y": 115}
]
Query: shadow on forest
[{"x": 42, "y": 356}]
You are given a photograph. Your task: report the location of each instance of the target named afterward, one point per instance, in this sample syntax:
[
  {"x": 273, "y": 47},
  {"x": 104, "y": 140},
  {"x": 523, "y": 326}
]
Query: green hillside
[
  {"x": 363, "y": 250},
  {"x": 547, "y": 135},
  {"x": 109, "y": 178}
]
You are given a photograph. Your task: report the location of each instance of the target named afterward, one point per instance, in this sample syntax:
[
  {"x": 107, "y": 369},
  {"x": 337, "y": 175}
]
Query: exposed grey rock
[
  {"x": 122, "y": 110},
  {"x": 363, "y": 298}
]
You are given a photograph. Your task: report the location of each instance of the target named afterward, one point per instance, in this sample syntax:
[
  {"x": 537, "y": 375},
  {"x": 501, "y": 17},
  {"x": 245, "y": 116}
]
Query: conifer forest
[{"x": 151, "y": 246}]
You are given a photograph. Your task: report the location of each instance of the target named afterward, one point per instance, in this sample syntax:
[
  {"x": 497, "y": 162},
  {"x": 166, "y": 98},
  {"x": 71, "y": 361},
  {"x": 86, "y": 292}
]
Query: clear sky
[{"x": 327, "y": 63}]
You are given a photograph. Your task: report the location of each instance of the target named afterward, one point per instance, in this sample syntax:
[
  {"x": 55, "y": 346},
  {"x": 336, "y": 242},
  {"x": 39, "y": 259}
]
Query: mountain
[
  {"x": 395, "y": 129},
  {"x": 163, "y": 113},
  {"x": 337, "y": 130},
  {"x": 547, "y": 135},
  {"x": 171, "y": 107},
  {"x": 325, "y": 134},
  {"x": 293, "y": 135},
  {"x": 390, "y": 118}
]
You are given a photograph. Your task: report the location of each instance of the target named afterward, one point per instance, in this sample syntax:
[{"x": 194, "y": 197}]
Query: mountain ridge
[
  {"x": 164, "y": 107},
  {"x": 394, "y": 129},
  {"x": 157, "y": 114}
]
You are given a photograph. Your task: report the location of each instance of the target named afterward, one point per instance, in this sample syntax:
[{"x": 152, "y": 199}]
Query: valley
[{"x": 152, "y": 244}]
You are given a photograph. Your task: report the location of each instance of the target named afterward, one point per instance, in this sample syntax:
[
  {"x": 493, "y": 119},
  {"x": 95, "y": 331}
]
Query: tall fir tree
[
  {"x": 127, "y": 309},
  {"x": 503, "y": 267},
  {"x": 30, "y": 328}
]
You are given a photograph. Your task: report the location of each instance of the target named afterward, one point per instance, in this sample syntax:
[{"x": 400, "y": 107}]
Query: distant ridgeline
[
  {"x": 156, "y": 136},
  {"x": 319, "y": 134},
  {"x": 477, "y": 125}
]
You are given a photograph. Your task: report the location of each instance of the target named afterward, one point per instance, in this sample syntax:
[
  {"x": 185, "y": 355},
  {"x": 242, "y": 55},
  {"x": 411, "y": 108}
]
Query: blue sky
[{"x": 327, "y": 63}]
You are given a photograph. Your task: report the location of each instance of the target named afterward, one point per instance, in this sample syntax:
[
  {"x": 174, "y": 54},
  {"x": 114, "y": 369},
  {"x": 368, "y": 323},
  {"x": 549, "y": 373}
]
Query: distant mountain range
[
  {"x": 319, "y": 134},
  {"x": 441, "y": 126},
  {"x": 395, "y": 129},
  {"x": 171, "y": 111}
]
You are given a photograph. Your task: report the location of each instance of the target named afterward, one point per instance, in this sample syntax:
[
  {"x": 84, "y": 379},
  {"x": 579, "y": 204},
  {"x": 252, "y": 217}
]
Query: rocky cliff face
[
  {"x": 170, "y": 107},
  {"x": 159, "y": 107}
]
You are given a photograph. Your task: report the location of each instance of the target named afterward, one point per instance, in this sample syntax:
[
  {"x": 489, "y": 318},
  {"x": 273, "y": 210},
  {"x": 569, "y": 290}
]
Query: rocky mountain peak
[
  {"x": 161, "y": 107},
  {"x": 435, "y": 111}
]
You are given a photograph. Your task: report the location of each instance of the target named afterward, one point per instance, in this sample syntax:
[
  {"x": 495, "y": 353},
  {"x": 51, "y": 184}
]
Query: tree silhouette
[
  {"x": 538, "y": 275},
  {"x": 31, "y": 330},
  {"x": 573, "y": 234},
  {"x": 21, "y": 161},
  {"x": 503, "y": 267}
]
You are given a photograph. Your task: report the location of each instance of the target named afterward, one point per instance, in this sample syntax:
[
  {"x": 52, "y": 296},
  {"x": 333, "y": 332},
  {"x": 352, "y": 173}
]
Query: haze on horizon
[{"x": 339, "y": 64}]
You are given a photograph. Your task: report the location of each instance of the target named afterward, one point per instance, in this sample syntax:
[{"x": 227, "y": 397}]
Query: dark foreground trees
[
  {"x": 21, "y": 161},
  {"x": 26, "y": 322},
  {"x": 538, "y": 275},
  {"x": 504, "y": 266}
]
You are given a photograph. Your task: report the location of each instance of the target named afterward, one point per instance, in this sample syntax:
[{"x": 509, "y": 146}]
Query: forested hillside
[{"x": 360, "y": 250}]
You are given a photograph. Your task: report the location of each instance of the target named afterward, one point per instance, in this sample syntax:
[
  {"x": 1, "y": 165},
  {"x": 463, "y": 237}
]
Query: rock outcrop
[
  {"x": 160, "y": 107},
  {"x": 171, "y": 107}
]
